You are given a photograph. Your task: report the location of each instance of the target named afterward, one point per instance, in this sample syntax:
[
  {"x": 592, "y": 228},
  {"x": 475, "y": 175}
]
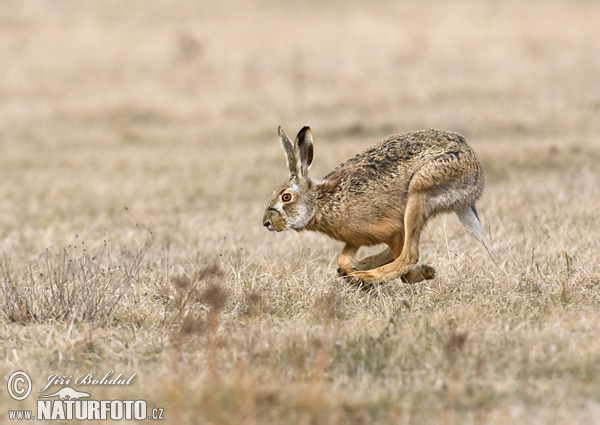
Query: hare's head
[{"x": 292, "y": 205}]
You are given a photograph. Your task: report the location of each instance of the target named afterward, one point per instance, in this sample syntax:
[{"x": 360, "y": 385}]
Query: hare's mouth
[
  {"x": 270, "y": 227},
  {"x": 273, "y": 220},
  {"x": 273, "y": 227}
]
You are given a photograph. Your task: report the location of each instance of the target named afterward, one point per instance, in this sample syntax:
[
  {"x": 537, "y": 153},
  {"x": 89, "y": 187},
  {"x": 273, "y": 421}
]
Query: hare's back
[{"x": 400, "y": 155}]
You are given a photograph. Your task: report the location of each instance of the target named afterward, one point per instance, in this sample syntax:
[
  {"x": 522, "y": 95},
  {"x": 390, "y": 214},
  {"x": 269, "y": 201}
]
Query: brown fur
[{"x": 385, "y": 195}]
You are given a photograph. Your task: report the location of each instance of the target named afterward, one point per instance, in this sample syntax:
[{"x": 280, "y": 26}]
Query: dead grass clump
[
  {"x": 391, "y": 328},
  {"x": 215, "y": 296},
  {"x": 454, "y": 345},
  {"x": 200, "y": 299},
  {"x": 193, "y": 324},
  {"x": 181, "y": 282},
  {"x": 255, "y": 304},
  {"x": 202, "y": 286},
  {"x": 209, "y": 272},
  {"x": 330, "y": 306},
  {"x": 69, "y": 285}
]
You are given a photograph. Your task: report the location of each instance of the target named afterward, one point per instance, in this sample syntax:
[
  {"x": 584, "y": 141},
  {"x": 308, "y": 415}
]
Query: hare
[{"x": 384, "y": 195}]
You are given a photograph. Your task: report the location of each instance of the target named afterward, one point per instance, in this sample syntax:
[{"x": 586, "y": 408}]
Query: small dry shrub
[
  {"x": 214, "y": 295},
  {"x": 200, "y": 299},
  {"x": 330, "y": 306},
  {"x": 255, "y": 303},
  {"x": 454, "y": 345},
  {"x": 69, "y": 285},
  {"x": 209, "y": 272}
]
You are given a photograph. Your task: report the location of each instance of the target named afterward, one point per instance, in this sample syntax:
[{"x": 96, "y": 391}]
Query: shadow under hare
[{"x": 384, "y": 195}]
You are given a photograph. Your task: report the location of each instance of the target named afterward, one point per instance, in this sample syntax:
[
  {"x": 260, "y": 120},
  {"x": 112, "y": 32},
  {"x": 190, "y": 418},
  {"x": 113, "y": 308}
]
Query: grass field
[{"x": 138, "y": 150}]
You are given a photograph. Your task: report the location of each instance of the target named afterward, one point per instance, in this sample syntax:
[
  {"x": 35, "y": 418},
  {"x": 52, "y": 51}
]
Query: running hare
[{"x": 385, "y": 195}]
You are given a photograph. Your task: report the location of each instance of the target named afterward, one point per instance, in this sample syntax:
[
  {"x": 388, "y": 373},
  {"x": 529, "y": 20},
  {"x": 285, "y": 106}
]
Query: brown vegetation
[{"x": 119, "y": 117}]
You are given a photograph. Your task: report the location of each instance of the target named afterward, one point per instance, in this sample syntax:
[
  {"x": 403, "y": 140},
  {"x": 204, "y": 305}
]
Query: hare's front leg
[
  {"x": 414, "y": 220},
  {"x": 384, "y": 257},
  {"x": 418, "y": 273},
  {"x": 345, "y": 260}
]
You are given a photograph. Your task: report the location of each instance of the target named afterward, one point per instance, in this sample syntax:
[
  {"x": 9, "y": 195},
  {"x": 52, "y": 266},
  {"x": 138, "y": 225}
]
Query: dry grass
[
  {"x": 70, "y": 285},
  {"x": 122, "y": 117}
]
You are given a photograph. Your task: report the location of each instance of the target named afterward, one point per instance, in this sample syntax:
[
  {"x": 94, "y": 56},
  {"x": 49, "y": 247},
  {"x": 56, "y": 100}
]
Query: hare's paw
[
  {"x": 393, "y": 271},
  {"x": 359, "y": 277},
  {"x": 343, "y": 272},
  {"x": 419, "y": 273}
]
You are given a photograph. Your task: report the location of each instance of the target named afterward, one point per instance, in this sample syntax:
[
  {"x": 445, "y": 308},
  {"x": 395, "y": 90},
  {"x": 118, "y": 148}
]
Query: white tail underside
[{"x": 469, "y": 219}]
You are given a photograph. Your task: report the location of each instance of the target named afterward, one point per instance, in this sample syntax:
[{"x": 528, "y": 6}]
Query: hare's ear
[
  {"x": 290, "y": 154},
  {"x": 304, "y": 149}
]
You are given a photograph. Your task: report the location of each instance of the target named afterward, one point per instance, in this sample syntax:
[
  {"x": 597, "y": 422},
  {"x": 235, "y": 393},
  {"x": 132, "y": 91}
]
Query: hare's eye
[{"x": 286, "y": 197}]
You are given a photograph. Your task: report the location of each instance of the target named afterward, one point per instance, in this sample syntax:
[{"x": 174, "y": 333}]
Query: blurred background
[{"x": 171, "y": 110}]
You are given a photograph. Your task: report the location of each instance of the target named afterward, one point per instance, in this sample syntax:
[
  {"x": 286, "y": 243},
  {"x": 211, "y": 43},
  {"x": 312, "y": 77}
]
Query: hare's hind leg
[
  {"x": 414, "y": 220},
  {"x": 418, "y": 273},
  {"x": 445, "y": 184}
]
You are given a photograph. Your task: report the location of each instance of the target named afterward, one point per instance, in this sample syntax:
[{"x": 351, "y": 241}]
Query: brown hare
[{"x": 384, "y": 195}]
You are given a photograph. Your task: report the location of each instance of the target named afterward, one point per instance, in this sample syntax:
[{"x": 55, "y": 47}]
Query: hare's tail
[{"x": 469, "y": 218}]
